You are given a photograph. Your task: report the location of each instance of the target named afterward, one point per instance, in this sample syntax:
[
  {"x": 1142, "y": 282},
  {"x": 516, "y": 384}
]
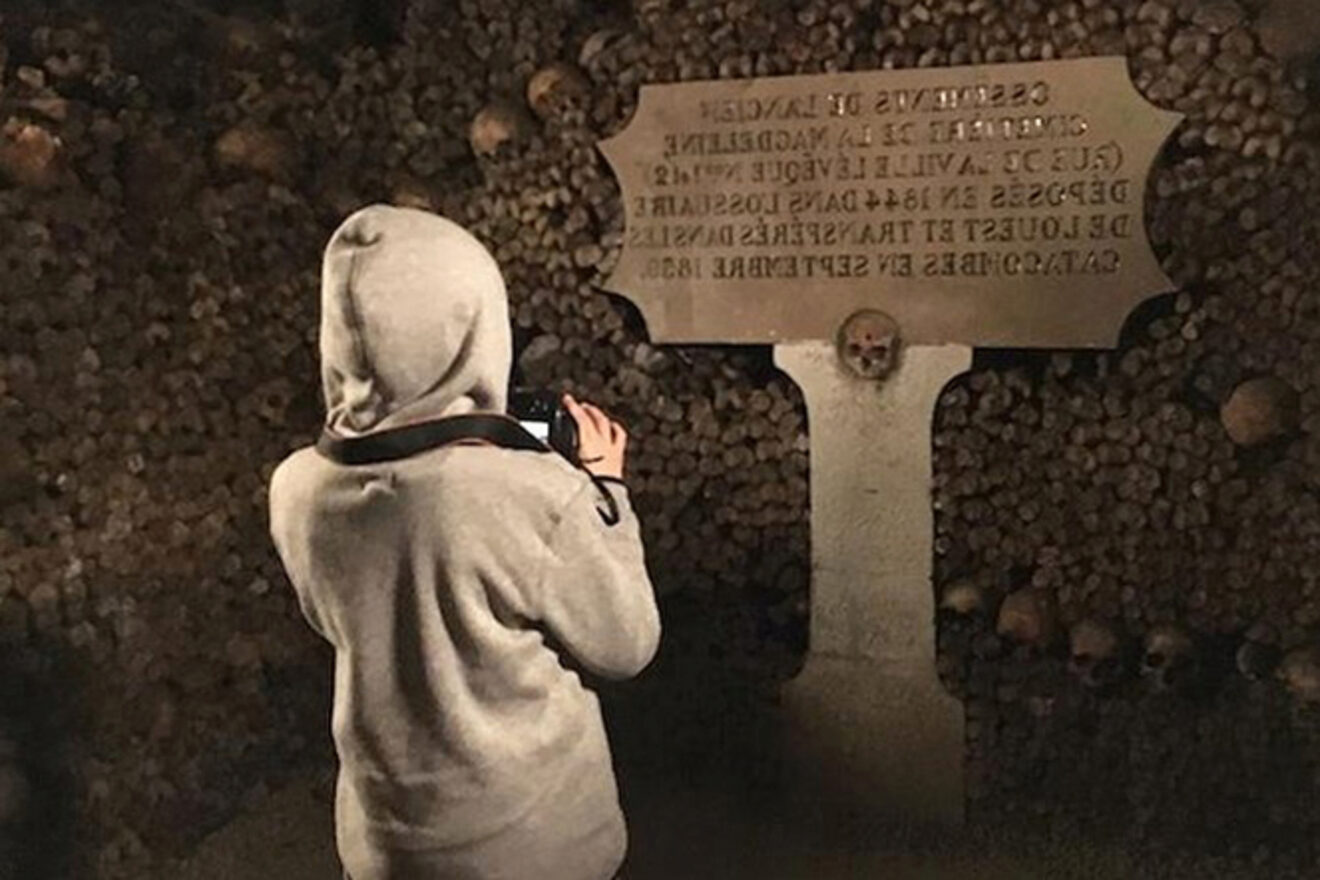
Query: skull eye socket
[{"x": 1155, "y": 659}]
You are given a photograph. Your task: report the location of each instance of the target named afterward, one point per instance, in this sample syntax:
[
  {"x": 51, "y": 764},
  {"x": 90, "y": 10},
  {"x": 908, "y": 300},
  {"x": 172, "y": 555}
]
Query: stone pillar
[{"x": 871, "y": 732}]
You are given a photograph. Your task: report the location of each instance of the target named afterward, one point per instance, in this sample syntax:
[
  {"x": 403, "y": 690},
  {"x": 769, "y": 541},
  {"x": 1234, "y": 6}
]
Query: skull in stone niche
[
  {"x": 1169, "y": 658},
  {"x": 869, "y": 343},
  {"x": 1093, "y": 654}
]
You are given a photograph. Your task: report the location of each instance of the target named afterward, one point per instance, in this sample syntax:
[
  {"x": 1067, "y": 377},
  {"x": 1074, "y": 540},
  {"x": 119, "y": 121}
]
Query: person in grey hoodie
[{"x": 461, "y": 587}]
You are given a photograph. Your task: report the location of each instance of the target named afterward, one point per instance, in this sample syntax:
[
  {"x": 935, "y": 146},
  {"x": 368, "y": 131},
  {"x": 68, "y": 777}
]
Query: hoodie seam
[{"x": 354, "y": 321}]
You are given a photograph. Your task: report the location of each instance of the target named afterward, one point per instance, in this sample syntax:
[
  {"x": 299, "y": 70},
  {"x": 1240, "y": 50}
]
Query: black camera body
[{"x": 543, "y": 414}]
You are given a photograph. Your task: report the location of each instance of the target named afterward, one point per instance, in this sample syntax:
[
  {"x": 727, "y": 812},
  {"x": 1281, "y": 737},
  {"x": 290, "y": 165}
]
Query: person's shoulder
[
  {"x": 544, "y": 475},
  {"x": 295, "y": 476},
  {"x": 542, "y": 468},
  {"x": 300, "y": 462}
]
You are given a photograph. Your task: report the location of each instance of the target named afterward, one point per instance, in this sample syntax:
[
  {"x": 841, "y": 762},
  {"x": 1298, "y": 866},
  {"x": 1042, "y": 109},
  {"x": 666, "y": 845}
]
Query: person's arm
[
  {"x": 308, "y": 609},
  {"x": 281, "y": 507},
  {"x": 594, "y": 594}
]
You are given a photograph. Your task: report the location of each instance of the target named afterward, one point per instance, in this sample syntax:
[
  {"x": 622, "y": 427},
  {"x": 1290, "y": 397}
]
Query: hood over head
[{"x": 414, "y": 322}]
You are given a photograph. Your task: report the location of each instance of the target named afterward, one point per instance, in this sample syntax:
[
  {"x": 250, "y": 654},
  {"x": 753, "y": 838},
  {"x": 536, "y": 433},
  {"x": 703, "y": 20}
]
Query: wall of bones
[{"x": 1128, "y": 543}]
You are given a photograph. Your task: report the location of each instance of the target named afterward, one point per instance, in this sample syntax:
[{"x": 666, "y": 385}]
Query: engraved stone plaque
[{"x": 996, "y": 205}]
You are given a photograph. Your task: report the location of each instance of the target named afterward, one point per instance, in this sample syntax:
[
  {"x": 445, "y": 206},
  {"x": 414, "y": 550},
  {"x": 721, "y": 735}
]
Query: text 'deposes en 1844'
[{"x": 978, "y": 205}]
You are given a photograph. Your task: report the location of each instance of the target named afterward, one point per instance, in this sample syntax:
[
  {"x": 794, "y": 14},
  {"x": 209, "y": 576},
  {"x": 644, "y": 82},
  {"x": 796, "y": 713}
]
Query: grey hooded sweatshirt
[{"x": 457, "y": 586}]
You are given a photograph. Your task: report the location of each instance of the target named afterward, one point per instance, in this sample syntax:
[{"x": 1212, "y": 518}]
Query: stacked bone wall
[{"x": 171, "y": 173}]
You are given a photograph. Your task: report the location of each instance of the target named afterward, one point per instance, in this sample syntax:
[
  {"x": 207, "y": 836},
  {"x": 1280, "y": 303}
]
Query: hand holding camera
[{"x": 602, "y": 442}]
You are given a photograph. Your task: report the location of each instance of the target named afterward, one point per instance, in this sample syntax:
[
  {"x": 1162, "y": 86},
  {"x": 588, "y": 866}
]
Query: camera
[{"x": 543, "y": 414}]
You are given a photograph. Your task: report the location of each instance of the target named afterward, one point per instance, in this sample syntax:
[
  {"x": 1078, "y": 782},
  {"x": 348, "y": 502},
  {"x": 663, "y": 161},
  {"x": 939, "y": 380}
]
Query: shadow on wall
[{"x": 37, "y": 820}]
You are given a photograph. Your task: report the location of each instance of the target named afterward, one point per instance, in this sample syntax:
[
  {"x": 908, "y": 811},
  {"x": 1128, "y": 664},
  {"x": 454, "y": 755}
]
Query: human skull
[
  {"x": 963, "y": 598},
  {"x": 869, "y": 343},
  {"x": 1169, "y": 657},
  {"x": 1093, "y": 653},
  {"x": 496, "y": 124},
  {"x": 1027, "y": 616},
  {"x": 550, "y": 87},
  {"x": 1259, "y": 410},
  {"x": 1300, "y": 671},
  {"x": 30, "y": 155}
]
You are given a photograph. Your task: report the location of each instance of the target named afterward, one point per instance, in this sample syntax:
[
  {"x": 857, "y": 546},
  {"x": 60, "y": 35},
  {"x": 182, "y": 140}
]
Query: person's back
[{"x": 451, "y": 583}]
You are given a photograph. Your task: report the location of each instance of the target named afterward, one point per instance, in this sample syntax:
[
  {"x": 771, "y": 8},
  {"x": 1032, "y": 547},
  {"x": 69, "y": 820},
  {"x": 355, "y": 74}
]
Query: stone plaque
[{"x": 996, "y": 205}]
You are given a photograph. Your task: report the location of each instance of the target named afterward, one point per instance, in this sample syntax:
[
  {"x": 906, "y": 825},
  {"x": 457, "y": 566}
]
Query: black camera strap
[{"x": 410, "y": 440}]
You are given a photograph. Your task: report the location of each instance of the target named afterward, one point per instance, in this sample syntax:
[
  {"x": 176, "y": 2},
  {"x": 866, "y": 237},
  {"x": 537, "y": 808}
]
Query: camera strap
[{"x": 410, "y": 440}]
